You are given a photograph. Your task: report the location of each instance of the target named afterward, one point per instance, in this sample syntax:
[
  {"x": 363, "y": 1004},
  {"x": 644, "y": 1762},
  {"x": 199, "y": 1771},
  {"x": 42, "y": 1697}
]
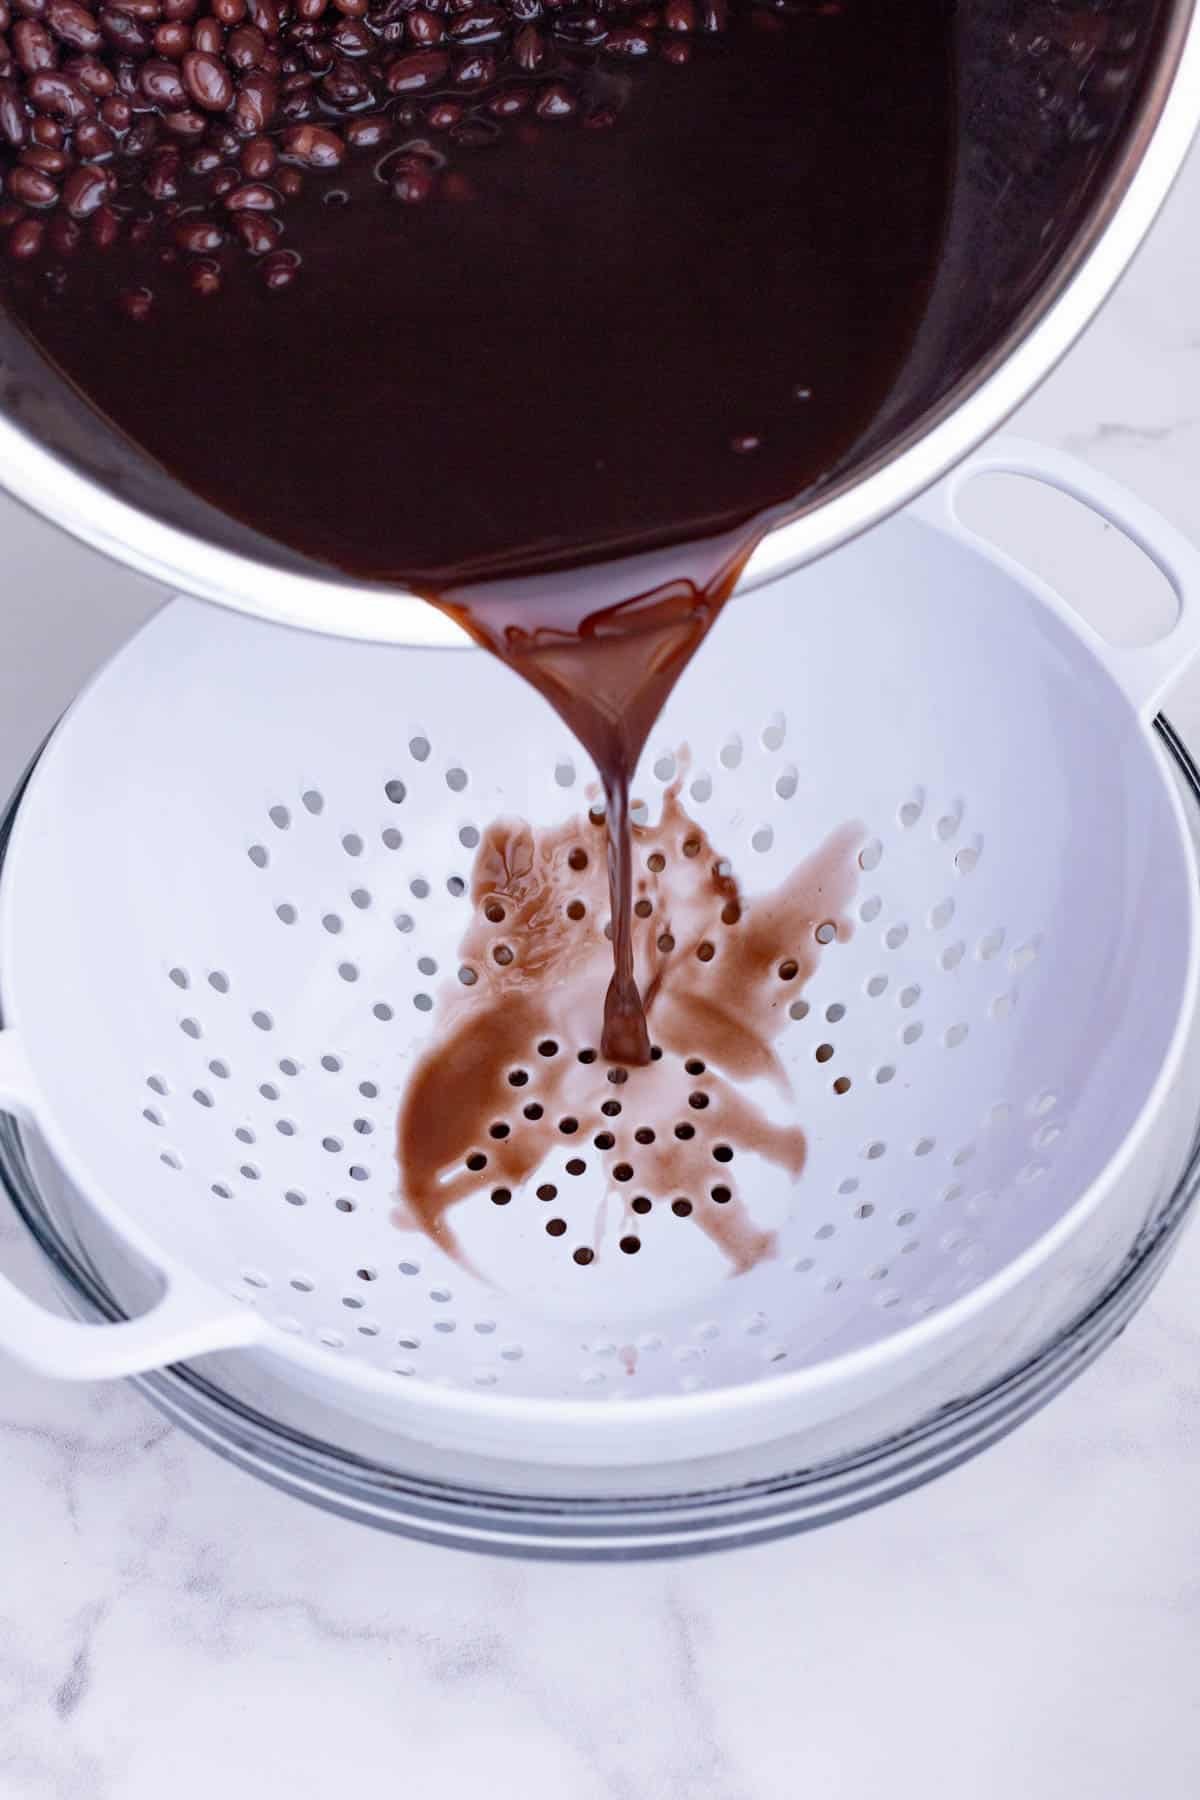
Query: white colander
[{"x": 235, "y": 890}]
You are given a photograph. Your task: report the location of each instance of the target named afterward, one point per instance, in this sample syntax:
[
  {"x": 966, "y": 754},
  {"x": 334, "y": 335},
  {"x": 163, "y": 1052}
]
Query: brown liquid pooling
[{"x": 514, "y": 1071}]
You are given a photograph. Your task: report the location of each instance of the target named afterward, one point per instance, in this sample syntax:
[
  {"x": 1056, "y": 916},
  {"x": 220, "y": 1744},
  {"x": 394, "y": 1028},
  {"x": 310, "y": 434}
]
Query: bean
[
  {"x": 26, "y": 239},
  {"x": 224, "y": 137},
  {"x": 162, "y": 83},
  {"x": 412, "y": 182},
  {"x": 258, "y": 232},
  {"x": 252, "y": 196},
  {"x": 30, "y": 9},
  {"x": 117, "y": 113},
  {"x": 47, "y": 131},
  {"x": 424, "y": 27},
  {"x": 33, "y": 187},
  {"x": 346, "y": 88},
  {"x": 369, "y": 131},
  {"x": 180, "y": 11},
  {"x": 479, "y": 25},
  {"x": 161, "y": 180},
  {"x": 50, "y": 160},
  {"x": 205, "y": 277},
  {"x": 95, "y": 77},
  {"x": 626, "y": 42},
  {"x": 74, "y": 24},
  {"x": 223, "y": 182},
  {"x": 106, "y": 228},
  {"x": 297, "y": 105},
  {"x": 142, "y": 136},
  {"x": 443, "y": 115},
  {"x": 195, "y": 235},
  {"x": 525, "y": 11},
  {"x": 476, "y": 69},
  {"x": 94, "y": 141},
  {"x": 145, "y": 10},
  {"x": 229, "y": 12},
  {"x": 207, "y": 80},
  {"x": 125, "y": 33},
  {"x": 246, "y": 47},
  {"x": 556, "y": 102},
  {"x": 86, "y": 189},
  {"x": 353, "y": 9},
  {"x": 14, "y": 125},
  {"x": 208, "y": 37},
  {"x": 581, "y": 27},
  {"x": 255, "y": 103},
  {"x": 33, "y": 46},
  {"x": 529, "y": 49},
  {"x": 315, "y": 146},
  {"x": 173, "y": 39},
  {"x": 5, "y": 15},
  {"x": 185, "y": 122},
  {"x": 290, "y": 183},
  {"x": 258, "y": 158},
  {"x": 279, "y": 269},
  {"x": 310, "y": 10},
  {"x": 350, "y": 37},
  {"x": 265, "y": 14},
  {"x": 136, "y": 303},
  {"x": 510, "y": 104},
  {"x": 414, "y": 74}
]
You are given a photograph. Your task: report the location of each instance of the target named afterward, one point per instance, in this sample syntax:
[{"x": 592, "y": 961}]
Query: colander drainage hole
[
  {"x": 258, "y": 855},
  {"x": 332, "y": 1064},
  {"x": 395, "y": 791},
  {"x": 345, "y": 1206},
  {"x": 312, "y": 801},
  {"x": 286, "y": 913}
]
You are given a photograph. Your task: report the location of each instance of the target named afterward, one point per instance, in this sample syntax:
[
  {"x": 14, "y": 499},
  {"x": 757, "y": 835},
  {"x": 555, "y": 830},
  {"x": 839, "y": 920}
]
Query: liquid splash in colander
[{"x": 513, "y": 1072}]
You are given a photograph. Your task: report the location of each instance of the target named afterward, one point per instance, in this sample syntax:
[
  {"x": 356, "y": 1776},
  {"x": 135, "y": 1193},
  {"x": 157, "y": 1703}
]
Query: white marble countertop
[{"x": 1029, "y": 1626}]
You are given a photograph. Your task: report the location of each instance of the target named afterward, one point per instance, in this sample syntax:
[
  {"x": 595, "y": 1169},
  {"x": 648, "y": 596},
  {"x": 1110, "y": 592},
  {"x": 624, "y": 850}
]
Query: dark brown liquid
[
  {"x": 619, "y": 351},
  {"x": 512, "y": 1076}
]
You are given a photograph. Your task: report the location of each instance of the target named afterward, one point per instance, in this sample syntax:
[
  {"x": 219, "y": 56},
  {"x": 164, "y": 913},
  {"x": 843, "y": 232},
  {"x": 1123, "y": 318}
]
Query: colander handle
[
  {"x": 1146, "y": 672},
  {"x": 188, "y": 1319}
]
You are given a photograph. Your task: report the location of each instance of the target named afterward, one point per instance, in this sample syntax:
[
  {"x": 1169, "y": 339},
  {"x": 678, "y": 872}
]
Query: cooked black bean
[
  {"x": 32, "y": 187},
  {"x": 44, "y": 157},
  {"x": 162, "y": 83},
  {"x": 208, "y": 81},
  {"x": 258, "y": 158},
  {"x": 280, "y": 268},
  {"x": 74, "y": 24},
  {"x": 424, "y": 27},
  {"x": 92, "y": 75},
  {"x": 33, "y": 46},
  {"x": 246, "y": 47},
  {"x": 255, "y": 102},
  {"x": 413, "y": 74},
  {"x": 369, "y": 132},
  {"x": 626, "y": 41},
  {"x": 314, "y": 145},
  {"x": 14, "y": 124},
  {"x": 257, "y": 232},
  {"x": 26, "y": 239},
  {"x": 85, "y": 189}
]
